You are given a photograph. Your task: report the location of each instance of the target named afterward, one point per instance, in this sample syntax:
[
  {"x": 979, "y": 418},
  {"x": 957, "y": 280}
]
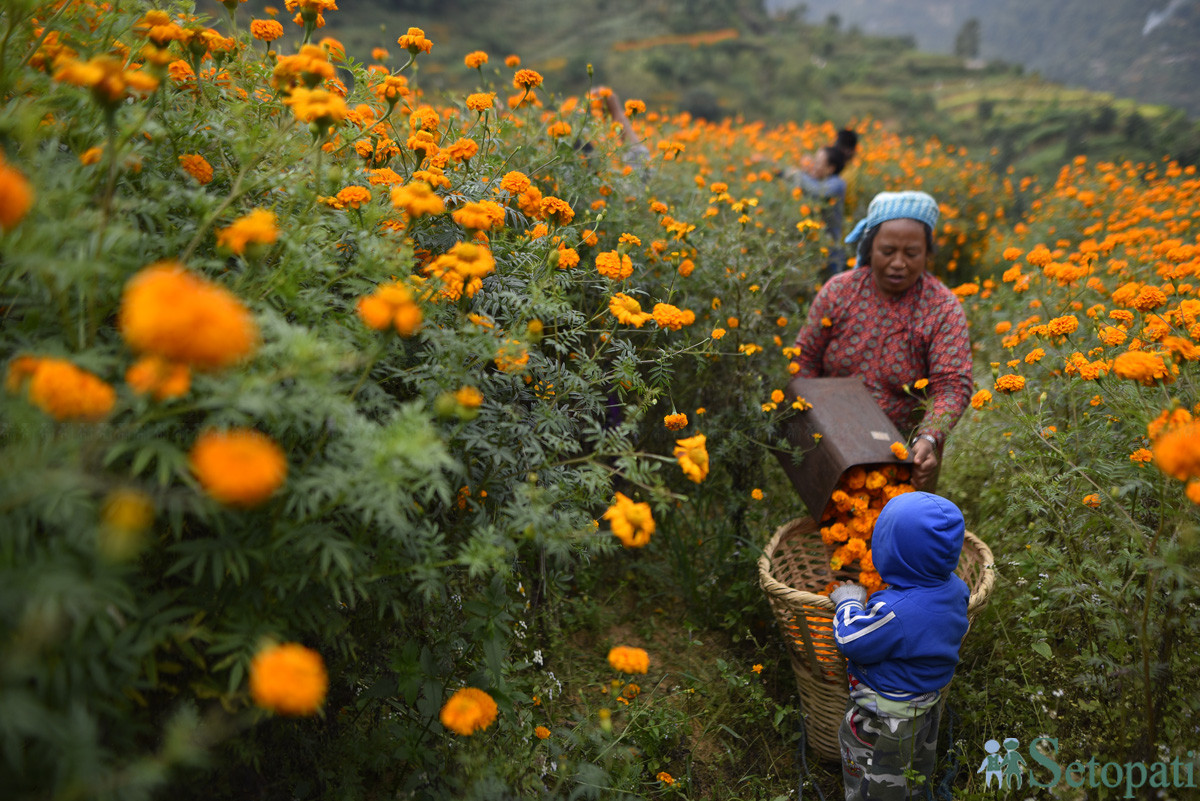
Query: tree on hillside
[{"x": 966, "y": 41}]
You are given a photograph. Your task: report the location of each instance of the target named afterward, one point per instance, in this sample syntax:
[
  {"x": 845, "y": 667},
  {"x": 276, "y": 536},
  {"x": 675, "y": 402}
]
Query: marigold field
[{"x": 359, "y": 443}]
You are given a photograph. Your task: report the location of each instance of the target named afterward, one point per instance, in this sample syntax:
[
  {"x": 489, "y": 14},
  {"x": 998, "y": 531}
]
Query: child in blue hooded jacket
[{"x": 901, "y": 647}]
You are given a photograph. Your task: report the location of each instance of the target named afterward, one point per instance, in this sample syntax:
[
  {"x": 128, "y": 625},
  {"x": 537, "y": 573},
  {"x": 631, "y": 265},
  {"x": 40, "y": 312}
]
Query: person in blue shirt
[
  {"x": 820, "y": 179},
  {"x": 901, "y": 646}
]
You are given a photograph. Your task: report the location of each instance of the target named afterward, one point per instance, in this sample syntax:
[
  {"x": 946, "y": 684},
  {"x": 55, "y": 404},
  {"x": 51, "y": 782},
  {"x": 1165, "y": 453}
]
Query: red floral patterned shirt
[{"x": 854, "y": 329}]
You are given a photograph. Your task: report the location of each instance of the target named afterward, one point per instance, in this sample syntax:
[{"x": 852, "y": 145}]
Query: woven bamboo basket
[{"x": 794, "y": 567}]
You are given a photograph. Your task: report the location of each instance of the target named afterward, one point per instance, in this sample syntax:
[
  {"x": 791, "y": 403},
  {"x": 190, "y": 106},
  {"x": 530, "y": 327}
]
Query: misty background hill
[
  {"x": 1131, "y": 48},
  {"x": 926, "y": 73}
]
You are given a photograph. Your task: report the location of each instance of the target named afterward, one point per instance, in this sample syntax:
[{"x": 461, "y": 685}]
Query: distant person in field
[
  {"x": 636, "y": 154},
  {"x": 847, "y": 142},
  {"x": 819, "y": 178},
  {"x": 897, "y": 326}
]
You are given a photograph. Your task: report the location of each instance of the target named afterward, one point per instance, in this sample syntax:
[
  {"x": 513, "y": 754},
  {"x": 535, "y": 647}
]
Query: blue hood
[{"x": 917, "y": 541}]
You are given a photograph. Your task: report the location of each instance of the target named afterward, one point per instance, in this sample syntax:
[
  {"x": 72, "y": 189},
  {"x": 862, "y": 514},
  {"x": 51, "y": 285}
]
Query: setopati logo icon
[{"x": 1004, "y": 764}]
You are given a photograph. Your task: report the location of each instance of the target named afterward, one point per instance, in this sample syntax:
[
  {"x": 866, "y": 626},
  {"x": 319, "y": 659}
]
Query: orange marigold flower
[
  {"x": 391, "y": 305},
  {"x": 485, "y": 215},
  {"x": 634, "y": 108},
  {"x": 676, "y": 421},
  {"x": 1010, "y": 383},
  {"x": 557, "y": 209},
  {"x": 238, "y": 467},
  {"x": 1139, "y": 365},
  {"x": 469, "y": 710},
  {"x": 1091, "y": 501},
  {"x": 667, "y": 778},
  {"x": 980, "y": 399},
  {"x": 629, "y": 660},
  {"x": 1040, "y": 256},
  {"x": 16, "y": 196},
  {"x": 380, "y": 54},
  {"x": 463, "y": 150},
  {"x": 476, "y": 59},
  {"x": 317, "y": 106},
  {"x": 289, "y": 679},
  {"x": 541, "y": 732},
  {"x": 567, "y": 258},
  {"x": 1177, "y": 452},
  {"x": 415, "y": 42},
  {"x": 1012, "y": 254},
  {"x": 417, "y": 199},
  {"x": 527, "y": 79},
  {"x": 1035, "y": 355},
  {"x": 756, "y": 494},
  {"x": 558, "y": 129},
  {"x": 469, "y": 397},
  {"x": 1111, "y": 335},
  {"x": 1169, "y": 419},
  {"x": 352, "y": 197},
  {"x": 1142, "y": 455},
  {"x": 627, "y": 310},
  {"x": 391, "y": 89},
  {"x": 159, "y": 378},
  {"x": 512, "y": 61},
  {"x": 196, "y": 166},
  {"x": 1148, "y": 298},
  {"x": 62, "y": 390},
  {"x": 692, "y": 454},
  {"x": 481, "y": 101},
  {"x": 512, "y": 358},
  {"x": 256, "y": 228},
  {"x": 514, "y": 183},
  {"x": 1182, "y": 348},
  {"x": 674, "y": 318},
  {"x": 631, "y": 523},
  {"x": 613, "y": 265},
  {"x": 170, "y": 312},
  {"x": 1060, "y": 326},
  {"x": 265, "y": 30},
  {"x": 898, "y": 450}
]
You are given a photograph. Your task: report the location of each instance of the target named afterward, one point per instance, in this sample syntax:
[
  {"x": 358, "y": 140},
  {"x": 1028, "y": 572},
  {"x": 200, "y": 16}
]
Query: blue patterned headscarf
[{"x": 894, "y": 206}]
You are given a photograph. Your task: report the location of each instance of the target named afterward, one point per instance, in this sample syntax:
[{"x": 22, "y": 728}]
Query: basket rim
[{"x": 794, "y": 597}]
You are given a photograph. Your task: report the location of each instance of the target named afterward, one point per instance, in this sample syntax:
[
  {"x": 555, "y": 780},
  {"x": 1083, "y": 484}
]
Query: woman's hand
[{"x": 925, "y": 463}]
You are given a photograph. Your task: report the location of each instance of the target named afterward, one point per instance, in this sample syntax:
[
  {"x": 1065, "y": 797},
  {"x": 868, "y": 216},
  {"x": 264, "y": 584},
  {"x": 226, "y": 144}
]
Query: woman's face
[{"x": 898, "y": 255}]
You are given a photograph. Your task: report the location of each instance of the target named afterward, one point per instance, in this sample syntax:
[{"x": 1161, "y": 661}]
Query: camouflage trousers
[{"x": 877, "y": 749}]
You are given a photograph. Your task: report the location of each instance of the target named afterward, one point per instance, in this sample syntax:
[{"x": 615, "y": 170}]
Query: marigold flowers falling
[
  {"x": 238, "y": 467},
  {"x": 898, "y": 450},
  {"x": 171, "y": 312},
  {"x": 692, "y": 454},
  {"x": 629, "y": 660},
  {"x": 288, "y": 679},
  {"x": 631, "y": 522},
  {"x": 468, "y": 711}
]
